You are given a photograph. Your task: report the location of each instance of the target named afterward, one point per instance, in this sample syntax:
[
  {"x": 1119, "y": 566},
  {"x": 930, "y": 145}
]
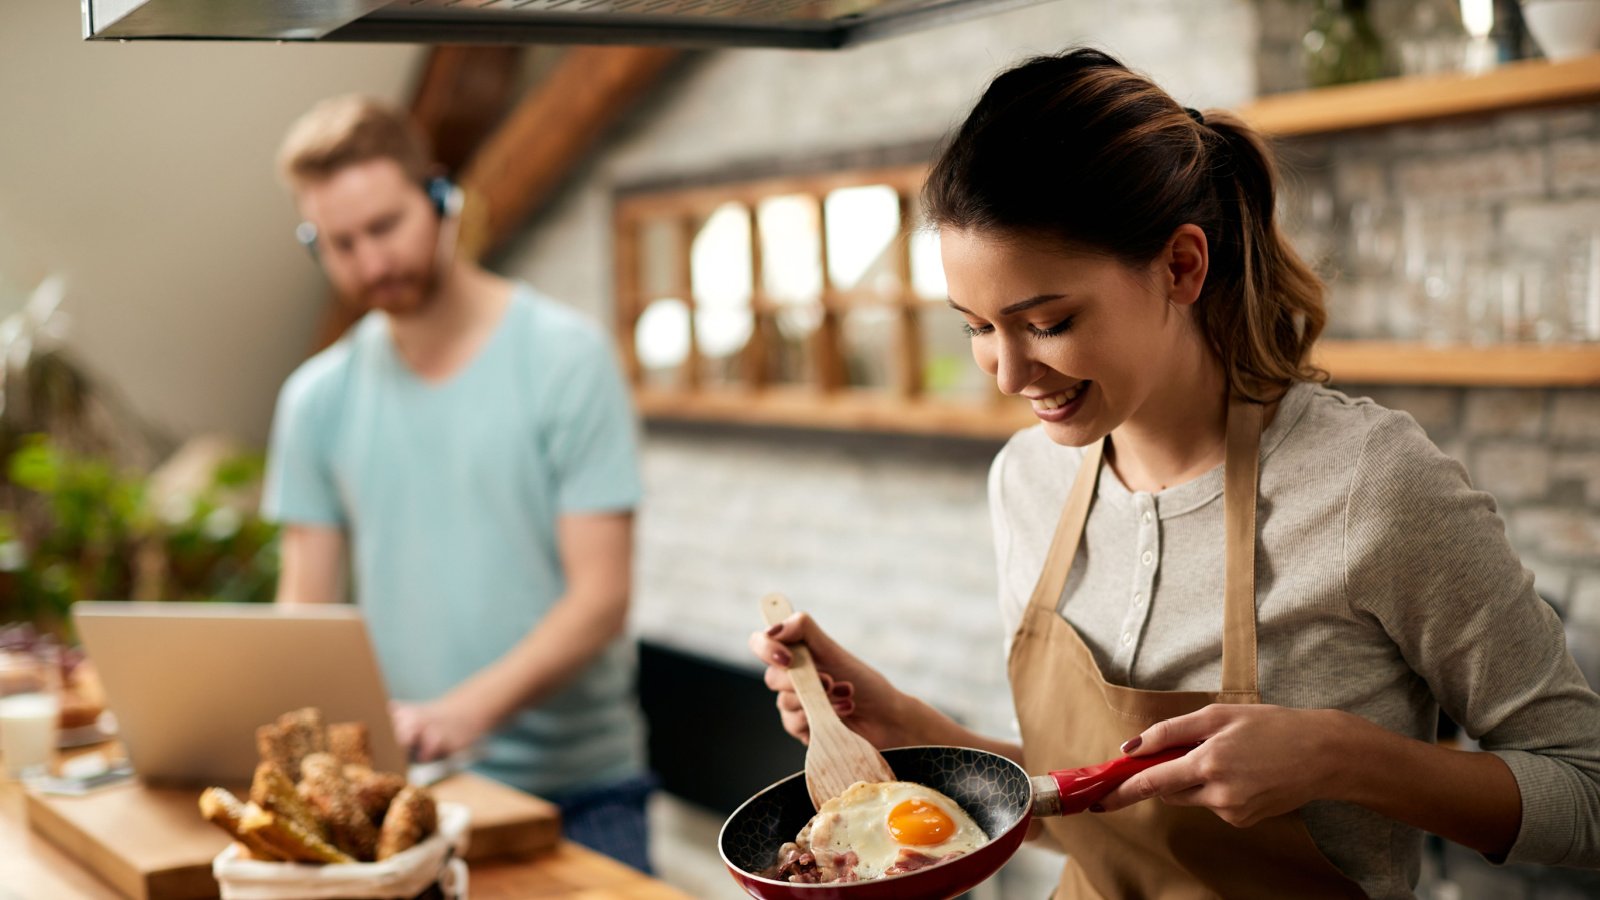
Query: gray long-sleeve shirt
[{"x": 1385, "y": 587}]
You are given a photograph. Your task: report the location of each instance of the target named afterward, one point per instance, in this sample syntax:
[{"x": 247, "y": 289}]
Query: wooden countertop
[{"x": 31, "y": 868}]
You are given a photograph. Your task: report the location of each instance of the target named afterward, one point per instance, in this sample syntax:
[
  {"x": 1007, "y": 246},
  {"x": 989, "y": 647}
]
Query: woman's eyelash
[{"x": 1061, "y": 327}]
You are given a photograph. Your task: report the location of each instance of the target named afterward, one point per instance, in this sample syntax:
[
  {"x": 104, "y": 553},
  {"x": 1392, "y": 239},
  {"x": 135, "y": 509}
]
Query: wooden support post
[
  {"x": 908, "y": 369},
  {"x": 828, "y": 341}
]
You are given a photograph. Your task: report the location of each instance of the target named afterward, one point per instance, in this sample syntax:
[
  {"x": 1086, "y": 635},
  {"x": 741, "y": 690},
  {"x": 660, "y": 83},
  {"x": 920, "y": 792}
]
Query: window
[{"x": 811, "y": 301}]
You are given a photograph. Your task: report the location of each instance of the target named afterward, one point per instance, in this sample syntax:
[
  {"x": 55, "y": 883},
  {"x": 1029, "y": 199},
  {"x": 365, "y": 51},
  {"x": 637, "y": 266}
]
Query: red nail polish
[
  {"x": 1097, "y": 808},
  {"x": 782, "y": 657},
  {"x": 1132, "y": 745},
  {"x": 773, "y": 631}
]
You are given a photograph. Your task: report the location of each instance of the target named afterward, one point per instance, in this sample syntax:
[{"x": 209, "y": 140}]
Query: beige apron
[{"x": 1071, "y": 716}]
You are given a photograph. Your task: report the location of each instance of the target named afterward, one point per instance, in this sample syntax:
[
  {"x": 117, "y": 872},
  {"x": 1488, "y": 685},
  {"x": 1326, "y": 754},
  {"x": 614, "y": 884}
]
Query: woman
[{"x": 1242, "y": 559}]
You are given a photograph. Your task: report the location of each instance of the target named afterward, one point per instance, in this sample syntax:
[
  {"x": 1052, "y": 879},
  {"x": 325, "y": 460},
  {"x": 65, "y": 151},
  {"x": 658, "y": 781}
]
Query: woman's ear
[{"x": 1185, "y": 261}]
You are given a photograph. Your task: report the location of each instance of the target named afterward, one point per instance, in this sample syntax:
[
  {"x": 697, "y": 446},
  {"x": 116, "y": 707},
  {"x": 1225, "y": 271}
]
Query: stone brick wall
[{"x": 1514, "y": 185}]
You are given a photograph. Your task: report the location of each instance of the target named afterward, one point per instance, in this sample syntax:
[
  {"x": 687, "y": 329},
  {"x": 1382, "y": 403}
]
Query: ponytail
[{"x": 1266, "y": 306}]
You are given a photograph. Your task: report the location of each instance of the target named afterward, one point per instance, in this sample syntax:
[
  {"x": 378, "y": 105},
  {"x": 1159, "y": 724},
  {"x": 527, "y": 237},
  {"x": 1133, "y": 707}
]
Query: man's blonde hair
[{"x": 344, "y": 131}]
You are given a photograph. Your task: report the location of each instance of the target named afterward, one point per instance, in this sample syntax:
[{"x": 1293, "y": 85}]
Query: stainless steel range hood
[{"x": 815, "y": 24}]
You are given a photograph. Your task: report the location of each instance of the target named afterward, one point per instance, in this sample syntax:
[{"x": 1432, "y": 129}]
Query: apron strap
[
  {"x": 1242, "y": 463},
  {"x": 1069, "y": 531},
  {"x": 1239, "y": 529}
]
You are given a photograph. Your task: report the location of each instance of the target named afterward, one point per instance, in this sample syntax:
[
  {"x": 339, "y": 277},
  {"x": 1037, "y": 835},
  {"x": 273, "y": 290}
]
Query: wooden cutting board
[{"x": 151, "y": 844}]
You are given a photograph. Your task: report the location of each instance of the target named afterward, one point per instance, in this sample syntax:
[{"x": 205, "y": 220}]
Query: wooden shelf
[
  {"x": 1398, "y": 101},
  {"x": 1349, "y": 362},
  {"x": 841, "y": 411},
  {"x": 1509, "y": 365}
]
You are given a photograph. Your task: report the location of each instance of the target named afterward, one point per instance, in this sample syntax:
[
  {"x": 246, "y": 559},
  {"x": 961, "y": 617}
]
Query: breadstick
[
  {"x": 274, "y": 792},
  {"x": 289, "y": 840},
  {"x": 412, "y": 818},
  {"x": 350, "y": 743},
  {"x": 222, "y": 809},
  {"x": 322, "y": 783}
]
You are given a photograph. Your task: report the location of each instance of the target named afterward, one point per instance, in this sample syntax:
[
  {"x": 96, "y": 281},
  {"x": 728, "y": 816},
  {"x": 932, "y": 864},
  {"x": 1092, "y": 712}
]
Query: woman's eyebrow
[{"x": 1019, "y": 306}]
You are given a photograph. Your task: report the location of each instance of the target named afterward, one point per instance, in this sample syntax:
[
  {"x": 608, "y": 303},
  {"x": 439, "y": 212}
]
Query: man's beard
[{"x": 398, "y": 295}]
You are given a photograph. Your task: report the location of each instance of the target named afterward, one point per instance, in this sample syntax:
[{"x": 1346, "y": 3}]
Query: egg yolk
[{"x": 920, "y": 823}]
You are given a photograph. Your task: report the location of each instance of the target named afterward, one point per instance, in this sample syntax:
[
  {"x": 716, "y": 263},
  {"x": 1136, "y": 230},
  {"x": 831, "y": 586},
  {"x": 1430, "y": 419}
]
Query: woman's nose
[{"x": 1015, "y": 368}]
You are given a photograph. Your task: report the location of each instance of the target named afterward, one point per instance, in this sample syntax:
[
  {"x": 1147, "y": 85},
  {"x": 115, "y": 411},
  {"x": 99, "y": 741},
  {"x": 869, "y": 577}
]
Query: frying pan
[{"x": 996, "y": 792}]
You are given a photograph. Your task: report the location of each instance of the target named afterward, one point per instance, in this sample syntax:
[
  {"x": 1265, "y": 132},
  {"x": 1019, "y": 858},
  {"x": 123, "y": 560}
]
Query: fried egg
[{"x": 888, "y": 827}]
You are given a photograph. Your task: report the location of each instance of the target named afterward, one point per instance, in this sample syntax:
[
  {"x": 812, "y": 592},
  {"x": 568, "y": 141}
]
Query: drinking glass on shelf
[
  {"x": 1481, "y": 296},
  {"x": 1375, "y": 238},
  {"x": 1532, "y": 306},
  {"x": 30, "y": 707},
  {"x": 1582, "y": 286},
  {"x": 1552, "y": 319}
]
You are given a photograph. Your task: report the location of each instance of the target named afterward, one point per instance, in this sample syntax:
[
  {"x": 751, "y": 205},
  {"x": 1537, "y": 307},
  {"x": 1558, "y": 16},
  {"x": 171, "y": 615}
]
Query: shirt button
[
  {"x": 1138, "y": 599},
  {"x": 1147, "y": 558},
  {"x": 1147, "y": 516},
  {"x": 1127, "y": 638}
]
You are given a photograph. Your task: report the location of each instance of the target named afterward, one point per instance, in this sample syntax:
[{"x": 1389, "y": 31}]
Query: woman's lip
[{"x": 1063, "y": 413}]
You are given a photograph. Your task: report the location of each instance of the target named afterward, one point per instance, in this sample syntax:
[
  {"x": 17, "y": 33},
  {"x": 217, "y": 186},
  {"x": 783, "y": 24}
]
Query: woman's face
[{"x": 1084, "y": 337}]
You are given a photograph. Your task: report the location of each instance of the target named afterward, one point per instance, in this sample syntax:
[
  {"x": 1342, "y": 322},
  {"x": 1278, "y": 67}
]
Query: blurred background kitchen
[{"x": 739, "y": 219}]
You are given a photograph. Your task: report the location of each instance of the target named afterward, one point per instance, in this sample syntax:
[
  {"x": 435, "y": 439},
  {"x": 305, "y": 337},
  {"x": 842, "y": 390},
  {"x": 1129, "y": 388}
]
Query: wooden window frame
[
  {"x": 907, "y": 407},
  {"x": 826, "y": 402}
]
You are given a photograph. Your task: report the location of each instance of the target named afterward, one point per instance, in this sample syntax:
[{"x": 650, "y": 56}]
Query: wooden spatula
[{"x": 836, "y": 756}]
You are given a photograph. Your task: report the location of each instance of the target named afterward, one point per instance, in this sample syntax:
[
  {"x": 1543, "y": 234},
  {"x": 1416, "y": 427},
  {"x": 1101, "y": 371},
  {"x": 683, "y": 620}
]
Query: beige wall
[{"x": 143, "y": 172}]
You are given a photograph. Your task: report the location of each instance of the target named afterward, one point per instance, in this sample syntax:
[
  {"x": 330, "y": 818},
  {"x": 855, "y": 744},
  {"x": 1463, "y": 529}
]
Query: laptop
[{"x": 189, "y": 683}]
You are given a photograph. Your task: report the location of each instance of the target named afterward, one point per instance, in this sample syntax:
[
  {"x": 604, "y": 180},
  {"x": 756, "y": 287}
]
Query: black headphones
[{"x": 444, "y": 195}]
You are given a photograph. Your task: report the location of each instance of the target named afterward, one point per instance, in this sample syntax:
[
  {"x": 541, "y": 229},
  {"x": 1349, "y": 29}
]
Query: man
[{"x": 469, "y": 446}]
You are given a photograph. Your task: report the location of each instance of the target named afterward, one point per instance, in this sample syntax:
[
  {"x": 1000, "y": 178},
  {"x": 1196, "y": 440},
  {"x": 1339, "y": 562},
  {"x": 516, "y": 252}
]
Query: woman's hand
[
  {"x": 862, "y": 697},
  {"x": 1254, "y": 762}
]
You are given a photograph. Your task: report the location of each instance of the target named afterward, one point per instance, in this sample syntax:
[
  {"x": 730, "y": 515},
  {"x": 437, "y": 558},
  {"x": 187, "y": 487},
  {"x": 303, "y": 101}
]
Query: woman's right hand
[{"x": 862, "y": 697}]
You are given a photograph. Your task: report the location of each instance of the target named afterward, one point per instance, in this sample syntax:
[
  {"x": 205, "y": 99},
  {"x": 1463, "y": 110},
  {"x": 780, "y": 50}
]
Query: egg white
[{"x": 858, "y": 821}]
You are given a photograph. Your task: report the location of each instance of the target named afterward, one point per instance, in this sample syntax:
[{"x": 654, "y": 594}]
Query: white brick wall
[{"x": 1505, "y": 412}]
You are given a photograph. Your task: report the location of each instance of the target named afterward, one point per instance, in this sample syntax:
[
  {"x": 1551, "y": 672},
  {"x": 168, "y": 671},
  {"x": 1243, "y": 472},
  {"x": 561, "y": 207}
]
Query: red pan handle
[{"x": 1075, "y": 790}]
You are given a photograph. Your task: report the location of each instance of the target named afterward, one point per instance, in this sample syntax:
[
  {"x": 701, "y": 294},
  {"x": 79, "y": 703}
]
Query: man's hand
[{"x": 438, "y": 729}]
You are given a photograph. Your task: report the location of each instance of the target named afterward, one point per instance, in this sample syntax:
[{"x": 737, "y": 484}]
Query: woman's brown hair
[{"x": 1078, "y": 149}]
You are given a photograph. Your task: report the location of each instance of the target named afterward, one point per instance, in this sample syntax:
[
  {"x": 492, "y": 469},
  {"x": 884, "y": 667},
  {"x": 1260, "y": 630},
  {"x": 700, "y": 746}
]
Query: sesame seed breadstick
[
  {"x": 350, "y": 743},
  {"x": 412, "y": 817},
  {"x": 374, "y": 790},
  {"x": 274, "y": 792},
  {"x": 322, "y": 783}
]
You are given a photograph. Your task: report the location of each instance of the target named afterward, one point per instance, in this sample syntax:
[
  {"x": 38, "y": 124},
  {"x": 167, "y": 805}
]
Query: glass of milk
[{"x": 30, "y": 708}]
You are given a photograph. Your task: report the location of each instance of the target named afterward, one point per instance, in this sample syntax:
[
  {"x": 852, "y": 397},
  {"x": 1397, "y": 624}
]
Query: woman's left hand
[{"x": 1254, "y": 762}]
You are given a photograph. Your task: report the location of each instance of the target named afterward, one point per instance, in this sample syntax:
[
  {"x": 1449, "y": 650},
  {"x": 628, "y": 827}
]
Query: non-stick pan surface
[{"x": 995, "y": 791}]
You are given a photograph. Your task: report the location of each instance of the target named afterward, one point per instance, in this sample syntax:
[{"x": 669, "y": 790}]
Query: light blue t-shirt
[{"x": 449, "y": 494}]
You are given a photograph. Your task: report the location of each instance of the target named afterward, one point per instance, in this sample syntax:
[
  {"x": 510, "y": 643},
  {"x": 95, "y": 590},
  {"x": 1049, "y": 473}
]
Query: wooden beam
[
  {"x": 555, "y": 125},
  {"x": 461, "y": 96}
]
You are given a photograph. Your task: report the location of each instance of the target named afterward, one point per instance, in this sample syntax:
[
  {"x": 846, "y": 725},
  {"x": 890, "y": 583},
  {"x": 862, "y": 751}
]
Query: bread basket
[{"x": 404, "y": 875}]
